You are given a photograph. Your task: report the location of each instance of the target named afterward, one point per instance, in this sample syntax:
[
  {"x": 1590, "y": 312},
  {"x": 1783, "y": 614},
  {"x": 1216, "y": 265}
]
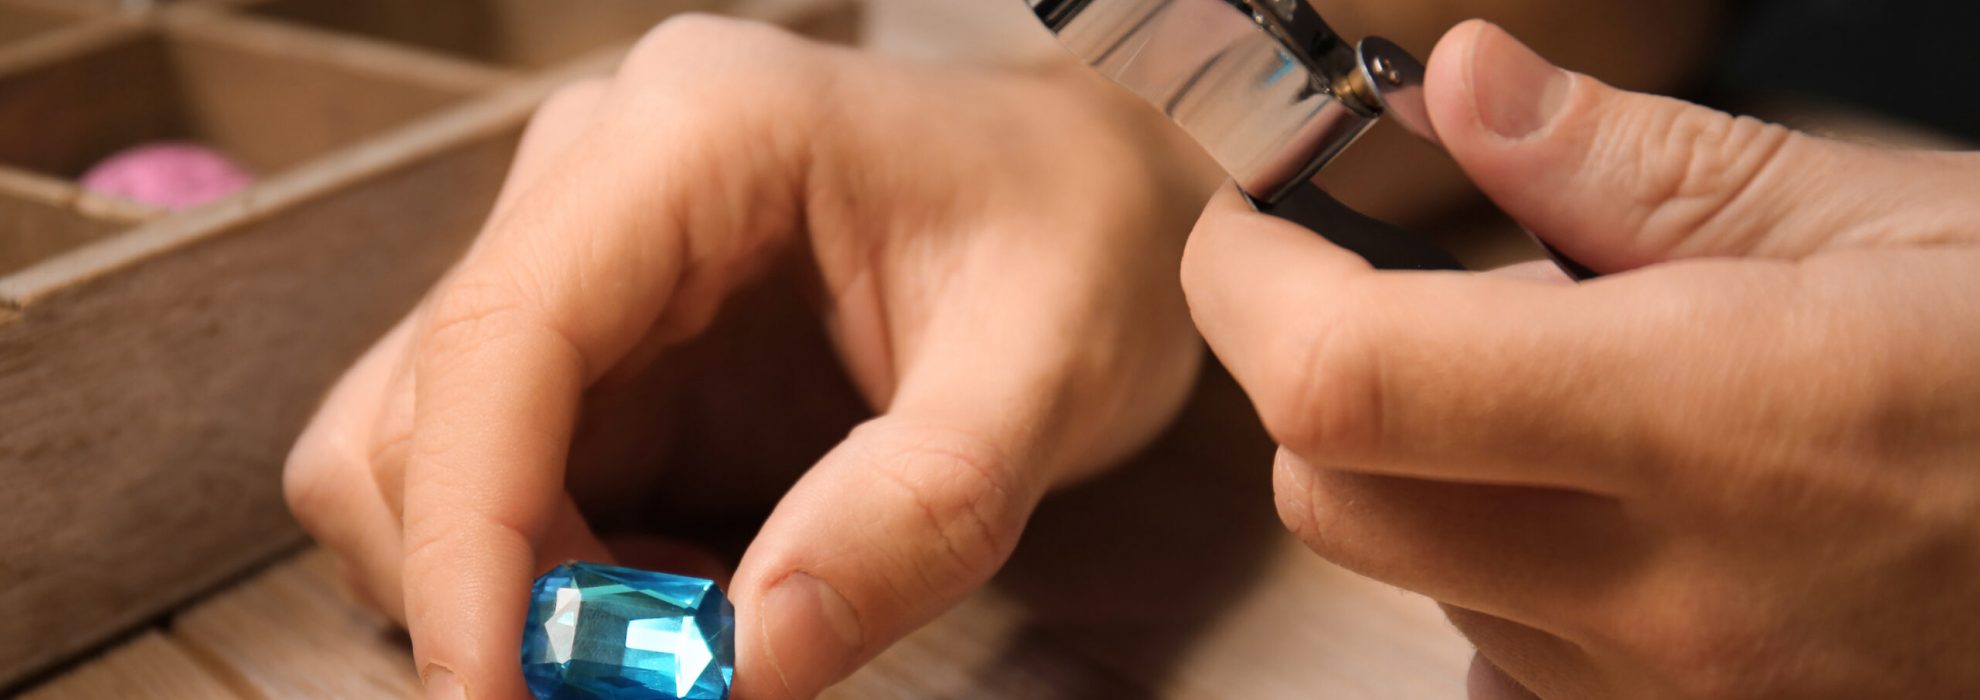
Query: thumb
[
  {"x": 1620, "y": 180},
  {"x": 894, "y": 526}
]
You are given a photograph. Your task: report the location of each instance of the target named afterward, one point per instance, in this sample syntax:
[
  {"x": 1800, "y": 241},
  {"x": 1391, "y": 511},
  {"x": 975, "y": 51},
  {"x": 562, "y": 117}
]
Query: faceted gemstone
[{"x": 600, "y": 632}]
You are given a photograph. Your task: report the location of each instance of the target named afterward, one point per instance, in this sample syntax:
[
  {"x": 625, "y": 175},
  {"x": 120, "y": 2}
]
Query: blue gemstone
[{"x": 600, "y": 632}]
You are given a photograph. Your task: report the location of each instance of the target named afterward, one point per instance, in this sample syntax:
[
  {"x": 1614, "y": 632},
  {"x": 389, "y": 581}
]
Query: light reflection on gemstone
[
  {"x": 597, "y": 632},
  {"x": 562, "y": 626},
  {"x": 678, "y": 638}
]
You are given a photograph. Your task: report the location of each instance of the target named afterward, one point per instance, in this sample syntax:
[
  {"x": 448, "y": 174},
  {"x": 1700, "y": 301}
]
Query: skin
[
  {"x": 1742, "y": 466},
  {"x": 1708, "y": 477},
  {"x": 569, "y": 353},
  {"x": 1653, "y": 46}
]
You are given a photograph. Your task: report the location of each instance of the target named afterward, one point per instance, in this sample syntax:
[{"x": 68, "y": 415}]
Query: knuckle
[
  {"x": 697, "y": 27},
  {"x": 1330, "y": 402},
  {"x": 387, "y": 457},
  {"x": 1704, "y": 174},
  {"x": 1706, "y": 651},
  {"x": 964, "y": 494},
  {"x": 314, "y": 471},
  {"x": 466, "y": 314},
  {"x": 728, "y": 68}
]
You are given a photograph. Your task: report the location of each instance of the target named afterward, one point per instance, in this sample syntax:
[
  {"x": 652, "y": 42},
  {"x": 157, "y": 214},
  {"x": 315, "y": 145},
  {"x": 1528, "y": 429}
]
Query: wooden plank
[
  {"x": 147, "y": 467},
  {"x": 152, "y": 667},
  {"x": 294, "y": 632}
]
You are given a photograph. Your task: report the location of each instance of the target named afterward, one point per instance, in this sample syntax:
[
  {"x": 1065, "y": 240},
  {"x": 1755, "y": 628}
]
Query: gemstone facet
[{"x": 599, "y": 632}]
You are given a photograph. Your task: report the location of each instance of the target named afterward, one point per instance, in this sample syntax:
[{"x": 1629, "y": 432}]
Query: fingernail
[
  {"x": 442, "y": 685},
  {"x": 1518, "y": 92},
  {"x": 811, "y": 632}
]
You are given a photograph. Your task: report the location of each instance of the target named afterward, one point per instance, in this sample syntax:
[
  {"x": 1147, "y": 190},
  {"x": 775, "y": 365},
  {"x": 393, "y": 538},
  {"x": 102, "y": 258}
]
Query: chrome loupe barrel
[{"x": 1261, "y": 84}]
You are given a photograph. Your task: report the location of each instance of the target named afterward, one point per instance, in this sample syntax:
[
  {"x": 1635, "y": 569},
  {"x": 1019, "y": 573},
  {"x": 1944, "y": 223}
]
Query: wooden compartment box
[
  {"x": 155, "y": 365},
  {"x": 516, "y": 33}
]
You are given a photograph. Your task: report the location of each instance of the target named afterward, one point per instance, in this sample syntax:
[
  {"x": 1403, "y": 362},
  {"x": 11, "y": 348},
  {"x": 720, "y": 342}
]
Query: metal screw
[{"x": 1383, "y": 68}]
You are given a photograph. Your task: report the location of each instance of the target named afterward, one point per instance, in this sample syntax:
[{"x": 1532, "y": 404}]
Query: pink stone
[{"x": 166, "y": 174}]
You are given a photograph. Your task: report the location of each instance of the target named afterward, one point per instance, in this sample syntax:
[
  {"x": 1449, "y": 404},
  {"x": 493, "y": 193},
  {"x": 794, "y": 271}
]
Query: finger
[
  {"x": 567, "y": 281},
  {"x": 1527, "y": 555},
  {"x": 328, "y": 478},
  {"x": 1403, "y": 373},
  {"x": 331, "y": 486},
  {"x": 1620, "y": 180},
  {"x": 1602, "y": 387},
  {"x": 892, "y": 527},
  {"x": 913, "y": 510},
  {"x": 557, "y": 123}
]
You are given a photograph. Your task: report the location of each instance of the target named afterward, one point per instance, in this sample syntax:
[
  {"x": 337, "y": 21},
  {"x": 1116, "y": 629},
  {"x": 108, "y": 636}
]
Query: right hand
[{"x": 1745, "y": 465}]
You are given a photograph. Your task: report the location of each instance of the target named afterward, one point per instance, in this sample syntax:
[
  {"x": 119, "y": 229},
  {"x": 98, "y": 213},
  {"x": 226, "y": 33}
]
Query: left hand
[
  {"x": 1747, "y": 465},
  {"x": 699, "y": 270}
]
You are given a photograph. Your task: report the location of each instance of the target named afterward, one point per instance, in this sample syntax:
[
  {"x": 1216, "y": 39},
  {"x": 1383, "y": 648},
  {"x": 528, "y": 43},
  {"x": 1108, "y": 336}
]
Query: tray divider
[{"x": 410, "y": 64}]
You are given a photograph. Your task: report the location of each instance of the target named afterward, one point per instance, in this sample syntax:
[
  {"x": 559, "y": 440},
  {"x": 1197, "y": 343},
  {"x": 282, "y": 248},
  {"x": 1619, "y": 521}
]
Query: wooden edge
[
  {"x": 501, "y": 110},
  {"x": 792, "y": 13},
  {"x": 152, "y": 666},
  {"x": 56, "y": 192},
  {"x": 403, "y": 63},
  {"x": 63, "y": 44},
  {"x": 64, "y": 195},
  {"x": 451, "y": 128}
]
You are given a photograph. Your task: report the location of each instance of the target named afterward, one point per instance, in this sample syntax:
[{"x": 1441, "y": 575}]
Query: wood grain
[
  {"x": 295, "y": 632},
  {"x": 157, "y": 377},
  {"x": 152, "y": 667}
]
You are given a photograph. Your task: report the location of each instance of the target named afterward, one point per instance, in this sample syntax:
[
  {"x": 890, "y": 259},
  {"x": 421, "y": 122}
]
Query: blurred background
[{"x": 209, "y": 207}]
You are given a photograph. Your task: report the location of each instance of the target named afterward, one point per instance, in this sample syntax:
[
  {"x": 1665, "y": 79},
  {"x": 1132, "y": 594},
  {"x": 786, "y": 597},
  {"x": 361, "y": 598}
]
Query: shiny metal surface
[
  {"x": 1259, "y": 83},
  {"x": 1272, "y": 93},
  {"x": 1394, "y": 79}
]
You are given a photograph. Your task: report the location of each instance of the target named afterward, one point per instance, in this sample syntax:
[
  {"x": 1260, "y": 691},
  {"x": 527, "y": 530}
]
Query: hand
[
  {"x": 1746, "y": 465},
  {"x": 992, "y": 257}
]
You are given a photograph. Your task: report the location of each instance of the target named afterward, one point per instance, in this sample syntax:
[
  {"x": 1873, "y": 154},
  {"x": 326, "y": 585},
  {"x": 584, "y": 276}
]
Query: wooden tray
[{"x": 155, "y": 366}]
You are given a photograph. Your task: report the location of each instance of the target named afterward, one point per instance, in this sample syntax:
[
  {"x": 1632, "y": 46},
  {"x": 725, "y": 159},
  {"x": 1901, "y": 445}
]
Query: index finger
[
  {"x": 608, "y": 243},
  {"x": 1458, "y": 376}
]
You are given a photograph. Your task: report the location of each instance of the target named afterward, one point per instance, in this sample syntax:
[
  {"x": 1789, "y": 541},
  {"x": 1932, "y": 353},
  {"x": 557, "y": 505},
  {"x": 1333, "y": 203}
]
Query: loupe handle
[{"x": 1382, "y": 244}]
